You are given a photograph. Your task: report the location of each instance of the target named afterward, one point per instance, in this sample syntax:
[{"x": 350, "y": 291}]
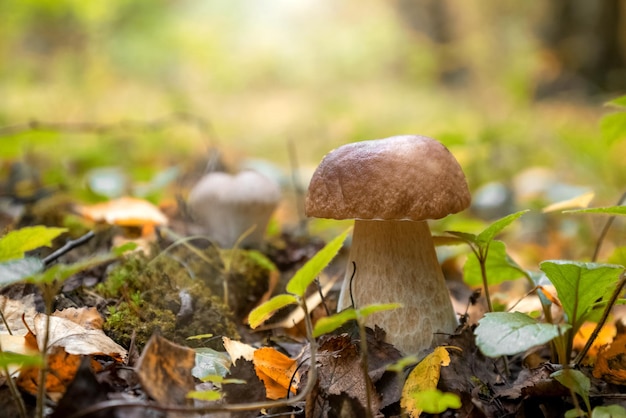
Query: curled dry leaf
[
  {"x": 276, "y": 371},
  {"x": 610, "y": 363}
]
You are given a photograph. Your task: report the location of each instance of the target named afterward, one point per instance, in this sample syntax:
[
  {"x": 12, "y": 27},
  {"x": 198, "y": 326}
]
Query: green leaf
[
  {"x": 574, "y": 380},
  {"x": 261, "y": 313},
  {"x": 331, "y": 323},
  {"x": 488, "y": 234},
  {"x": 210, "y": 363},
  {"x": 579, "y": 285},
  {"x": 465, "y": 236},
  {"x": 609, "y": 411},
  {"x": 61, "y": 272},
  {"x": 613, "y": 127},
  {"x": 434, "y": 401},
  {"x": 128, "y": 246},
  {"x": 14, "y": 244},
  {"x": 619, "y": 102},
  {"x": 307, "y": 273},
  {"x": 261, "y": 260},
  {"x": 366, "y": 311},
  {"x": 15, "y": 270},
  {"x": 499, "y": 267},
  {"x": 509, "y": 333},
  {"x": 204, "y": 395},
  {"x": 8, "y": 358},
  {"x": 609, "y": 210}
]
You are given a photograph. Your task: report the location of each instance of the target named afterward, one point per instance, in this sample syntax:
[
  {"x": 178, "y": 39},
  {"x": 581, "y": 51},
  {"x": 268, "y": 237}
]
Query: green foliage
[
  {"x": 499, "y": 266},
  {"x": 502, "y": 266},
  {"x": 609, "y": 210},
  {"x": 434, "y": 401},
  {"x": 263, "y": 312},
  {"x": 305, "y": 275},
  {"x": 14, "y": 244},
  {"x": 580, "y": 286},
  {"x": 609, "y": 411},
  {"x": 613, "y": 125},
  {"x": 15, "y": 270},
  {"x": 298, "y": 284},
  {"x": 577, "y": 383},
  {"x": 8, "y": 358},
  {"x": 332, "y": 322},
  {"x": 508, "y": 333}
]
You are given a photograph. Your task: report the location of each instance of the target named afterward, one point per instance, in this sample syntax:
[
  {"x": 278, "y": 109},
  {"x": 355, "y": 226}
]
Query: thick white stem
[{"x": 396, "y": 262}]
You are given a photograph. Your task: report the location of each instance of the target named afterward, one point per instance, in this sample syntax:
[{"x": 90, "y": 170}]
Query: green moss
[{"x": 146, "y": 298}]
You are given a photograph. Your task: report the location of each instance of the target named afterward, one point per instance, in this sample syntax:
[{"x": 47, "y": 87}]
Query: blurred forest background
[{"x": 508, "y": 86}]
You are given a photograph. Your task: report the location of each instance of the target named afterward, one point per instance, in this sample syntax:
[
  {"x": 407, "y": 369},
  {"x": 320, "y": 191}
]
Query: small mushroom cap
[{"x": 406, "y": 177}]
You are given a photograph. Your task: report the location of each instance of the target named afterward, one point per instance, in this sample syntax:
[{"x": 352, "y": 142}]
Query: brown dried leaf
[
  {"x": 611, "y": 362},
  {"x": 164, "y": 369}
]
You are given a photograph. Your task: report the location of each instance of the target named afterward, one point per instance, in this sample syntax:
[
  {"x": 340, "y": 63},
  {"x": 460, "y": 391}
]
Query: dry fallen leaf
[
  {"x": 611, "y": 362},
  {"x": 62, "y": 367},
  {"x": 606, "y": 335},
  {"x": 237, "y": 349},
  {"x": 89, "y": 318},
  {"x": 76, "y": 339},
  {"x": 164, "y": 369},
  {"x": 276, "y": 371},
  {"x": 125, "y": 211},
  {"x": 423, "y": 377}
]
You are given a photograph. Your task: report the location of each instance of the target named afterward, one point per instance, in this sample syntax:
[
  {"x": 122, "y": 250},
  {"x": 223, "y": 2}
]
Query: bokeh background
[{"x": 144, "y": 87}]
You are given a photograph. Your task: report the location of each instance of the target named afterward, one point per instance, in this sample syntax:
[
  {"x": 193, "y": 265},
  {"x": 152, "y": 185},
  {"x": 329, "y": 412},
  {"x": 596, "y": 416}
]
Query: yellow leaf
[{"x": 424, "y": 376}]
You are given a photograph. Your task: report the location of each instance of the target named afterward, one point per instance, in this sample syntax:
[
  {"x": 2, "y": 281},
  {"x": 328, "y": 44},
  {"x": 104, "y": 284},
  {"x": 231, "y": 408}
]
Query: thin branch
[{"x": 70, "y": 245}]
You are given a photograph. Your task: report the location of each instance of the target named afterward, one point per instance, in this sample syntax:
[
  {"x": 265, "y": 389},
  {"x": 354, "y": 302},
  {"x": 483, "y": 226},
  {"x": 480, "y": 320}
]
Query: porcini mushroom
[
  {"x": 391, "y": 187},
  {"x": 227, "y": 206}
]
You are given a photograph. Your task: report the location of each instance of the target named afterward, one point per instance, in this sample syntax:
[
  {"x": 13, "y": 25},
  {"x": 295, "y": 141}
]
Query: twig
[
  {"x": 605, "y": 315},
  {"x": 70, "y": 245}
]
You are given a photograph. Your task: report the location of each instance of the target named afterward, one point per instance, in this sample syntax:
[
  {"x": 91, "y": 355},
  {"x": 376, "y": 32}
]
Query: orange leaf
[
  {"x": 606, "y": 335},
  {"x": 610, "y": 364},
  {"x": 61, "y": 370},
  {"x": 276, "y": 371}
]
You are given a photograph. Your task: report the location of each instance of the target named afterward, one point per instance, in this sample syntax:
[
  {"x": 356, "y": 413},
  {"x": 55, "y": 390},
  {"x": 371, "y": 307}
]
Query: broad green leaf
[
  {"x": 434, "y": 401},
  {"x": 489, "y": 233},
  {"x": 609, "y": 411},
  {"x": 15, "y": 270},
  {"x": 331, "y": 323},
  {"x": 574, "y": 380},
  {"x": 609, "y": 210},
  {"x": 307, "y": 273},
  {"x": 204, "y": 395},
  {"x": 8, "y": 358},
  {"x": 210, "y": 363},
  {"x": 509, "y": 333},
  {"x": 579, "y": 285},
  {"x": 499, "y": 267},
  {"x": 261, "y": 313},
  {"x": 613, "y": 127},
  {"x": 14, "y": 244}
]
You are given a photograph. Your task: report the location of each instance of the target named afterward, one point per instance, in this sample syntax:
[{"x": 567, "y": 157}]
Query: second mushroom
[{"x": 391, "y": 187}]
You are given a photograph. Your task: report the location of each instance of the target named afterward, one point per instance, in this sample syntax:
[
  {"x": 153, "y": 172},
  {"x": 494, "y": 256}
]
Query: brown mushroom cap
[{"x": 406, "y": 177}]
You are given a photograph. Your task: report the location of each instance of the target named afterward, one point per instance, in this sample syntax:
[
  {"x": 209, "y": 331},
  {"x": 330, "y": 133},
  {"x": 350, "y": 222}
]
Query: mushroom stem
[{"x": 396, "y": 262}]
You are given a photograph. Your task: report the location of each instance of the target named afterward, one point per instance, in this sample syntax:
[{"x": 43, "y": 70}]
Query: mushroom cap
[
  {"x": 406, "y": 177},
  {"x": 245, "y": 188}
]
